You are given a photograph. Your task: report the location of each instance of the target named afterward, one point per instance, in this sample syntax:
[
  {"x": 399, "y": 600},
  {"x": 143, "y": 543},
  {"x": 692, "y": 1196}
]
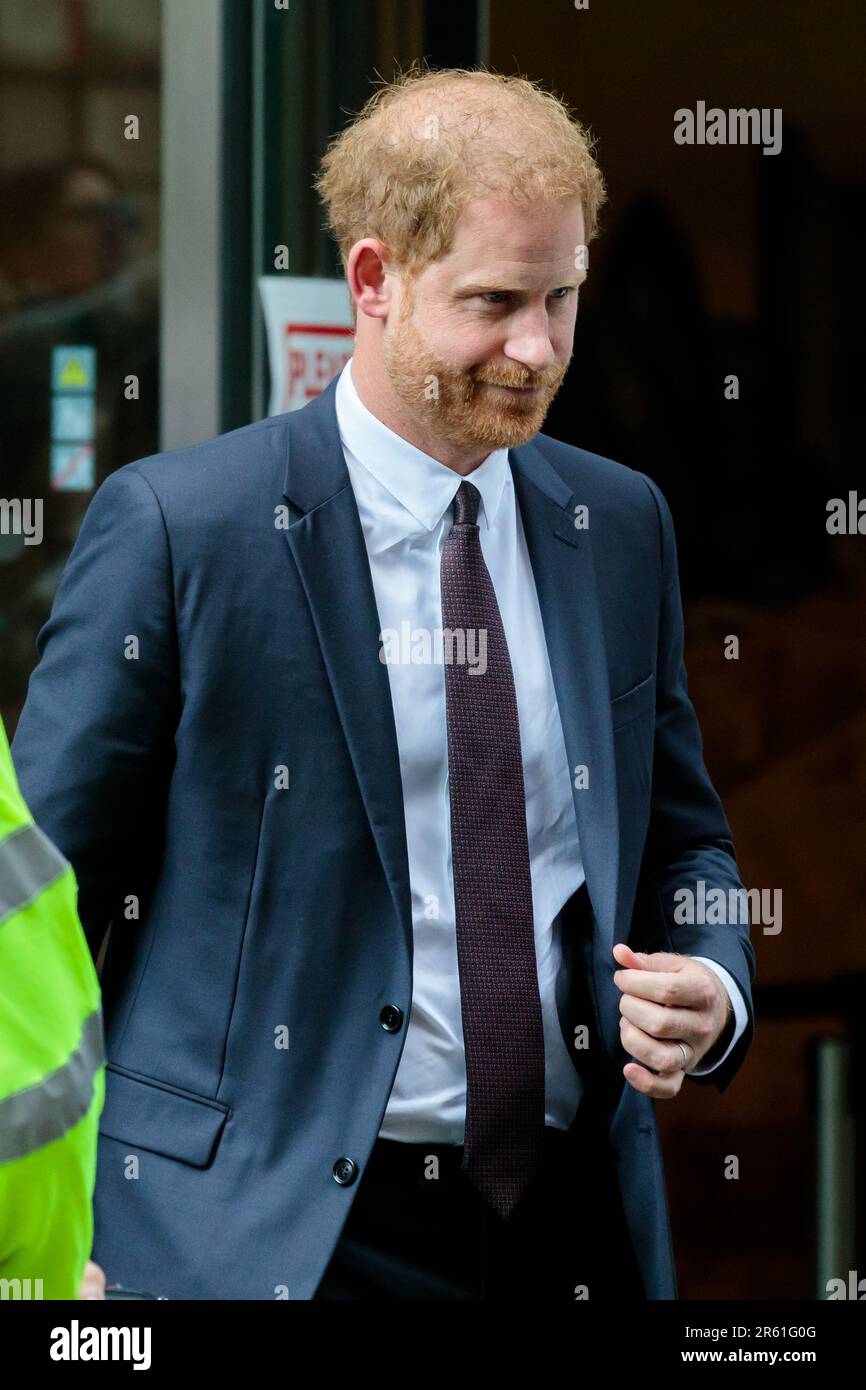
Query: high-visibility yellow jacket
[{"x": 52, "y": 1074}]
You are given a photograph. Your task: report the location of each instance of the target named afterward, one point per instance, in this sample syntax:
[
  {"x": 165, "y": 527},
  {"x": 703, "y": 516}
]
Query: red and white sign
[{"x": 310, "y": 336}]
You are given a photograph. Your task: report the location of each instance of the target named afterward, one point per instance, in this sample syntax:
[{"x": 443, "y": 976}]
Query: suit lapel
[
  {"x": 327, "y": 544},
  {"x": 562, "y": 563}
]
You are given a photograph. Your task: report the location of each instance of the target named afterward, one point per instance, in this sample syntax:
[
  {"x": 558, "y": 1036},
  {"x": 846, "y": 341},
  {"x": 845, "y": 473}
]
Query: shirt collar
[{"x": 421, "y": 487}]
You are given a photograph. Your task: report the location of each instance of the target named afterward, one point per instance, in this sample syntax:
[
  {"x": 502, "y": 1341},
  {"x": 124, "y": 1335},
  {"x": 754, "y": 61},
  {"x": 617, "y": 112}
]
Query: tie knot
[{"x": 466, "y": 500}]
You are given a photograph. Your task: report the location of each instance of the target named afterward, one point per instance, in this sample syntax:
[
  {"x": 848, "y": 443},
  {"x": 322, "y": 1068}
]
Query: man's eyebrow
[{"x": 490, "y": 287}]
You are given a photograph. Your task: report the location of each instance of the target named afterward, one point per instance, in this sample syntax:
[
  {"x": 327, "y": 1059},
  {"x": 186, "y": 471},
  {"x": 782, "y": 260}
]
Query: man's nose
[{"x": 531, "y": 346}]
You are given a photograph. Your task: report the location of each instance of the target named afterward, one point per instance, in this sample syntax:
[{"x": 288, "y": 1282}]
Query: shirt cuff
[{"x": 740, "y": 1015}]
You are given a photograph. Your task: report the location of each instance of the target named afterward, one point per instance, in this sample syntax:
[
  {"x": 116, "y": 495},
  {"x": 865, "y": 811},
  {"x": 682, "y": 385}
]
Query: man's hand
[
  {"x": 93, "y": 1281},
  {"x": 666, "y": 1000}
]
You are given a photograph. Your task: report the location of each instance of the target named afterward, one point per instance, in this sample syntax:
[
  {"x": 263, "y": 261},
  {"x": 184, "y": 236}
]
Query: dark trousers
[{"x": 413, "y": 1234}]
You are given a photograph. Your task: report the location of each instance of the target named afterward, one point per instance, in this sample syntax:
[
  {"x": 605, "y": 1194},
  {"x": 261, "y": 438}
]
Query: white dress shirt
[{"x": 404, "y": 498}]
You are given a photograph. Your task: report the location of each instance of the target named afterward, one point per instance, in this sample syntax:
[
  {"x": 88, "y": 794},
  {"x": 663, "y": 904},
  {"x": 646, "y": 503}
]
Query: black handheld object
[{"x": 118, "y": 1291}]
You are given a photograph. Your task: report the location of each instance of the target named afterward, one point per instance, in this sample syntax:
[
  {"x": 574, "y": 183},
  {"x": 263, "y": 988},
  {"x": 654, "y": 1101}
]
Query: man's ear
[{"x": 368, "y": 280}]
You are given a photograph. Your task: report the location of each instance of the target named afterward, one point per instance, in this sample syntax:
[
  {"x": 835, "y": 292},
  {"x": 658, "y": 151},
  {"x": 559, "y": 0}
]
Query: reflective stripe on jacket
[{"x": 52, "y": 1078}]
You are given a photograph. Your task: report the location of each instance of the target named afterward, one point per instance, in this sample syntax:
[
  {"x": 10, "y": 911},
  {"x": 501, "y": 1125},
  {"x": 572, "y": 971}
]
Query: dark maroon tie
[{"x": 500, "y": 1004}]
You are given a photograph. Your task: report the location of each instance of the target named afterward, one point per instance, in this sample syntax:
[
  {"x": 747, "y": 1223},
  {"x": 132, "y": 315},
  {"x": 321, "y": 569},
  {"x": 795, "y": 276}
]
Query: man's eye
[{"x": 499, "y": 296}]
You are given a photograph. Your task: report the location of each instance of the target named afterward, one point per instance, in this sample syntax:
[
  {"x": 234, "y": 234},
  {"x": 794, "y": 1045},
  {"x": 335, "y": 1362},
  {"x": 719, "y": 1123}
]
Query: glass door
[{"x": 79, "y": 286}]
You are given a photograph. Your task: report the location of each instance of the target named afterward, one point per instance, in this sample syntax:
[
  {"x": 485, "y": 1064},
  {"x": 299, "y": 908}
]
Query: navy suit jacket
[{"x": 214, "y": 636}]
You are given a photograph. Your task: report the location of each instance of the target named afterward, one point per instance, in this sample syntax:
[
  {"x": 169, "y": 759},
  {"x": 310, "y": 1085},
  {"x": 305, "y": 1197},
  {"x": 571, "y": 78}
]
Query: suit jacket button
[
  {"x": 391, "y": 1018},
  {"x": 345, "y": 1171}
]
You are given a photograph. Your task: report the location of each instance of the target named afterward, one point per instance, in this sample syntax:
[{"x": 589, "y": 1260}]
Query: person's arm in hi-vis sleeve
[{"x": 52, "y": 1073}]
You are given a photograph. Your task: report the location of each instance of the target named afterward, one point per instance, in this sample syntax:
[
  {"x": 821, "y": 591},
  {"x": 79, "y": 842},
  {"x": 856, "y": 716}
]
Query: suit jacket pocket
[
  {"x": 641, "y": 697},
  {"x": 149, "y": 1114}
]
